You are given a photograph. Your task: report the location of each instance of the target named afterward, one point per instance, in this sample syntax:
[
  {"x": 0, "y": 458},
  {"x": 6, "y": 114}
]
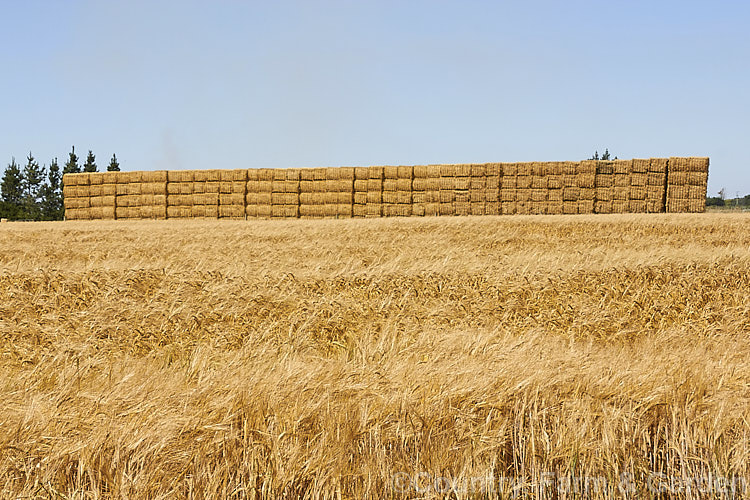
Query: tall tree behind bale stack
[
  {"x": 232, "y": 191},
  {"x": 508, "y": 186},
  {"x": 687, "y": 179},
  {"x": 180, "y": 201},
  {"x": 397, "y": 190}
]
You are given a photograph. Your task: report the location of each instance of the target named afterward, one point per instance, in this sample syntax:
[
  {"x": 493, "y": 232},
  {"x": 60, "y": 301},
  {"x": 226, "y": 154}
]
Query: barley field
[{"x": 466, "y": 357}]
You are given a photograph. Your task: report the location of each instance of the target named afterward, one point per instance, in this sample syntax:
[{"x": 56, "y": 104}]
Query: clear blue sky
[{"x": 234, "y": 84}]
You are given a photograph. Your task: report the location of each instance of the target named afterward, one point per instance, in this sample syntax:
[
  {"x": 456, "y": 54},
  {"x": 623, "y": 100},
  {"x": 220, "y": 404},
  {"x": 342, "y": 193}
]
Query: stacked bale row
[
  {"x": 619, "y": 186},
  {"x": 326, "y": 192},
  {"x": 687, "y": 182}
]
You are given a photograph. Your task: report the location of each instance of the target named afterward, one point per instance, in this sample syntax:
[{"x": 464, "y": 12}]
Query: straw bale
[
  {"x": 251, "y": 211},
  {"x": 307, "y": 174},
  {"x": 81, "y": 179},
  {"x": 586, "y": 193},
  {"x": 620, "y": 206},
  {"x": 252, "y": 174},
  {"x": 604, "y": 193},
  {"x": 426, "y": 196},
  {"x": 312, "y": 186},
  {"x": 374, "y": 185},
  {"x": 637, "y": 206},
  {"x": 523, "y": 207},
  {"x": 621, "y": 180},
  {"x": 523, "y": 182},
  {"x": 621, "y": 167},
  {"x": 212, "y": 175},
  {"x": 509, "y": 169},
  {"x": 208, "y": 198},
  {"x": 344, "y": 198},
  {"x": 344, "y": 210},
  {"x": 587, "y": 167},
  {"x": 285, "y": 186},
  {"x": 109, "y": 189},
  {"x": 390, "y": 172},
  {"x": 697, "y": 178},
  {"x": 396, "y": 196},
  {"x": 285, "y": 211},
  {"x": 570, "y": 168},
  {"x": 447, "y": 170},
  {"x": 134, "y": 188},
  {"x": 96, "y": 178},
  {"x": 315, "y": 198},
  {"x": 493, "y": 169},
  {"x": 555, "y": 182},
  {"x": 586, "y": 180},
  {"x": 346, "y": 173},
  {"x": 676, "y": 192},
  {"x": 492, "y": 208},
  {"x": 477, "y": 195},
  {"x": 538, "y": 169},
  {"x": 637, "y": 193},
  {"x": 476, "y": 208},
  {"x": 569, "y": 180},
  {"x": 447, "y": 196},
  {"x": 654, "y": 192},
  {"x": 332, "y": 173},
  {"x": 258, "y": 198},
  {"x": 172, "y": 176},
  {"x": 571, "y": 194},
  {"x": 446, "y": 183},
  {"x": 492, "y": 181},
  {"x": 462, "y": 208},
  {"x": 603, "y": 207},
  {"x": 696, "y": 192},
  {"x": 405, "y": 172},
  {"x": 432, "y": 209},
  {"x": 70, "y": 191},
  {"x": 359, "y": 211},
  {"x": 462, "y": 170},
  {"x": 426, "y": 171},
  {"x": 508, "y": 208},
  {"x": 538, "y": 207},
  {"x": 479, "y": 170},
  {"x": 340, "y": 185},
  {"x": 555, "y": 195},
  {"x": 555, "y": 207},
  {"x": 108, "y": 212},
  {"x": 374, "y": 209},
  {"x": 538, "y": 182},
  {"x": 605, "y": 180},
  {"x": 160, "y": 176},
  {"x": 154, "y": 188},
  {"x": 213, "y": 186},
  {"x": 266, "y": 174},
  {"x": 509, "y": 182},
  {"x": 102, "y": 201},
  {"x": 639, "y": 166},
  {"x": 426, "y": 184},
  {"x": 570, "y": 207},
  {"x": 231, "y": 211},
  {"x": 76, "y": 203},
  {"x": 656, "y": 179},
  {"x": 418, "y": 209},
  {"x": 360, "y": 185},
  {"x": 397, "y": 185},
  {"x": 361, "y": 173},
  {"x": 691, "y": 164},
  {"x": 658, "y": 165},
  {"x": 172, "y": 188},
  {"x": 263, "y": 211},
  {"x": 199, "y": 187},
  {"x": 696, "y": 206},
  {"x": 258, "y": 186},
  {"x": 330, "y": 211},
  {"x": 181, "y": 200},
  {"x": 586, "y": 206},
  {"x": 232, "y": 199},
  {"x": 538, "y": 195},
  {"x": 446, "y": 209},
  {"x": 279, "y": 174},
  {"x": 145, "y": 199},
  {"x": 146, "y": 212},
  {"x": 524, "y": 169},
  {"x": 77, "y": 214},
  {"x": 462, "y": 196},
  {"x": 360, "y": 197},
  {"x": 461, "y": 182},
  {"x": 126, "y": 212},
  {"x": 620, "y": 192},
  {"x": 477, "y": 183},
  {"x": 523, "y": 194},
  {"x": 375, "y": 172},
  {"x": 638, "y": 179}
]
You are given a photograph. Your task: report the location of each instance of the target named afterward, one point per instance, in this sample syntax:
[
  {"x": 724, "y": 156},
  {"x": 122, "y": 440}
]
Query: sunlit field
[{"x": 461, "y": 357}]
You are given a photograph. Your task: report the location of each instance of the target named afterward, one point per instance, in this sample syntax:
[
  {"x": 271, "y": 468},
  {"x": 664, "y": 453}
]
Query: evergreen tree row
[{"x": 34, "y": 191}]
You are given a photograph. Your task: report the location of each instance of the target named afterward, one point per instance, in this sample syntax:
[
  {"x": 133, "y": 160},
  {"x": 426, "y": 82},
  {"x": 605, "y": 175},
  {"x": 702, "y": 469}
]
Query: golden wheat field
[{"x": 476, "y": 357}]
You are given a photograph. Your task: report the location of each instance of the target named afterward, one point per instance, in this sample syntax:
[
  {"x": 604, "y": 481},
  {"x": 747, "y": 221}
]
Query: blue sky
[{"x": 235, "y": 84}]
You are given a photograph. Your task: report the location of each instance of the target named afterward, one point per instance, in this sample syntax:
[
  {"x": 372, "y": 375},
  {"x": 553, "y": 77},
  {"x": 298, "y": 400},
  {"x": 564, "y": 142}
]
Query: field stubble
[{"x": 322, "y": 359}]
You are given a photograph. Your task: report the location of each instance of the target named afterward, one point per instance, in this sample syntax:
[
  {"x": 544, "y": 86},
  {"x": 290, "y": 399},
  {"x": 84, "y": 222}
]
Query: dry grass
[{"x": 318, "y": 359}]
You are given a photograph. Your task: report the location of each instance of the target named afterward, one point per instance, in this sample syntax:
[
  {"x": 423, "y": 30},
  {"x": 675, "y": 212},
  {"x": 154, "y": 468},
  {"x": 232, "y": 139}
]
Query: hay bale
[
  {"x": 620, "y": 193},
  {"x": 586, "y": 180},
  {"x": 172, "y": 176},
  {"x": 405, "y": 172},
  {"x": 524, "y": 169},
  {"x": 604, "y": 194},
  {"x": 656, "y": 179},
  {"x": 555, "y": 207},
  {"x": 492, "y": 208},
  {"x": 374, "y": 210},
  {"x": 586, "y": 193},
  {"x": 375, "y": 172},
  {"x": 96, "y": 178},
  {"x": 446, "y": 208},
  {"x": 285, "y": 211},
  {"x": 477, "y": 195},
  {"x": 312, "y": 198},
  {"x": 509, "y": 182},
  {"x": 213, "y": 187},
  {"x": 263, "y": 211},
  {"x": 570, "y": 180},
  {"x": 462, "y": 196},
  {"x": 251, "y": 211},
  {"x": 621, "y": 167},
  {"x": 374, "y": 197},
  {"x": 462, "y": 208},
  {"x": 658, "y": 165},
  {"x": 446, "y": 183},
  {"x": 461, "y": 182},
  {"x": 538, "y": 182},
  {"x": 396, "y": 196},
  {"x": 360, "y": 197},
  {"x": 231, "y": 211},
  {"x": 447, "y": 196},
  {"x": 587, "y": 167},
  {"x": 538, "y": 169},
  {"x": 523, "y": 182},
  {"x": 571, "y": 193},
  {"x": 76, "y": 203},
  {"x": 621, "y": 180},
  {"x": 232, "y": 199},
  {"x": 476, "y": 208},
  {"x": 478, "y": 171},
  {"x": 110, "y": 189},
  {"x": 82, "y": 179},
  {"x": 523, "y": 207},
  {"x": 509, "y": 169},
  {"x": 418, "y": 210},
  {"x": 620, "y": 206},
  {"x": 586, "y": 206},
  {"x": 493, "y": 169},
  {"x": 172, "y": 188},
  {"x": 306, "y": 174},
  {"x": 523, "y": 195},
  {"x": 257, "y": 198},
  {"x": 538, "y": 195},
  {"x": 431, "y": 209},
  {"x": 492, "y": 182},
  {"x": 654, "y": 192},
  {"x": 343, "y": 185},
  {"x": 555, "y": 182},
  {"x": 427, "y": 172},
  {"x": 361, "y": 173},
  {"x": 637, "y": 206},
  {"x": 508, "y": 207},
  {"x": 360, "y": 185},
  {"x": 426, "y": 196},
  {"x": 265, "y": 174},
  {"x": 374, "y": 185},
  {"x": 426, "y": 184},
  {"x": 285, "y": 186},
  {"x": 359, "y": 211},
  {"x": 447, "y": 170},
  {"x": 603, "y": 207},
  {"x": 555, "y": 195},
  {"x": 605, "y": 180},
  {"x": 397, "y": 185},
  {"x": 332, "y": 173},
  {"x": 570, "y": 207}
]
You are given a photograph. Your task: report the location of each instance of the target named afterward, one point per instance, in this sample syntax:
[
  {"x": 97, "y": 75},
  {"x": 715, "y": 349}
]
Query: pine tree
[
  {"x": 33, "y": 176},
  {"x": 11, "y": 190},
  {"x": 605, "y": 156},
  {"x": 51, "y": 194},
  {"x": 90, "y": 165},
  {"x": 71, "y": 166},
  {"x": 114, "y": 165}
]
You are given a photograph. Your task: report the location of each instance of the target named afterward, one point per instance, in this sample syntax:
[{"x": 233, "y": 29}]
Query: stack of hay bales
[
  {"x": 555, "y": 172},
  {"x": 258, "y": 193},
  {"x": 180, "y": 202},
  {"x": 206, "y": 187},
  {"x": 374, "y": 198},
  {"x": 621, "y": 186},
  {"x": 128, "y": 195},
  {"x": 638, "y": 180},
  {"x": 570, "y": 189},
  {"x": 586, "y": 181},
  {"x": 492, "y": 174},
  {"x": 604, "y": 186},
  {"x": 152, "y": 200},
  {"x": 397, "y": 189},
  {"x": 284, "y": 197},
  {"x": 462, "y": 186},
  {"x": 447, "y": 184},
  {"x": 426, "y": 190},
  {"x": 508, "y": 185},
  {"x": 656, "y": 185},
  {"x": 539, "y": 188},
  {"x": 312, "y": 193},
  {"x": 326, "y": 192},
  {"x": 232, "y": 191},
  {"x": 687, "y": 180},
  {"x": 359, "y": 198},
  {"x": 102, "y": 190},
  {"x": 76, "y": 196},
  {"x": 523, "y": 188}
]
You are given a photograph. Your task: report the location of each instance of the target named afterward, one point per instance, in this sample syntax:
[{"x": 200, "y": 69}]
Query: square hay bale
[
  {"x": 492, "y": 208},
  {"x": 312, "y": 198},
  {"x": 696, "y": 206},
  {"x": 493, "y": 169},
  {"x": 570, "y": 180},
  {"x": 200, "y": 187},
  {"x": 570, "y": 207},
  {"x": 695, "y": 178},
  {"x": 658, "y": 165},
  {"x": 361, "y": 173},
  {"x": 341, "y": 185},
  {"x": 538, "y": 207},
  {"x": 570, "y": 168},
  {"x": 405, "y": 172},
  {"x": 538, "y": 182},
  {"x": 656, "y": 179},
  {"x": 111, "y": 189},
  {"x": 102, "y": 201},
  {"x": 172, "y": 176},
  {"x": 427, "y": 171},
  {"x": 461, "y": 182},
  {"x": 524, "y": 169},
  {"x": 344, "y": 210},
  {"x": 555, "y": 181},
  {"x": 285, "y": 211},
  {"x": 587, "y": 167},
  {"x": 555, "y": 207},
  {"x": 251, "y": 211},
  {"x": 374, "y": 185},
  {"x": 586, "y": 206},
  {"x": 446, "y": 183},
  {"x": 231, "y": 211},
  {"x": 209, "y": 198},
  {"x": 375, "y": 172},
  {"x": 492, "y": 181},
  {"x": 82, "y": 179},
  {"x": 621, "y": 180},
  {"x": 586, "y": 193},
  {"x": 426, "y": 196},
  {"x": 397, "y": 185},
  {"x": 346, "y": 173},
  {"x": 332, "y": 173},
  {"x": 603, "y": 207},
  {"x": 477, "y": 183},
  {"x": 306, "y": 174},
  {"x": 523, "y": 195},
  {"x": 396, "y": 210},
  {"x": 236, "y": 175},
  {"x": 172, "y": 188},
  {"x": 507, "y": 195},
  {"x": 462, "y": 170},
  {"x": 257, "y": 198},
  {"x": 639, "y": 166},
  {"x": 620, "y": 206},
  {"x": 426, "y": 184},
  {"x": 655, "y": 192},
  {"x": 262, "y": 211},
  {"x": 538, "y": 169},
  {"x": 523, "y": 182},
  {"x": 285, "y": 186},
  {"x": 231, "y": 199},
  {"x": 571, "y": 194},
  {"x": 96, "y": 178},
  {"x": 523, "y": 207},
  {"x": 462, "y": 208},
  {"x": 418, "y": 210},
  {"x": 212, "y": 175},
  {"x": 374, "y": 210},
  {"x": 360, "y": 198},
  {"x": 697, "y": 193},
  {"x": 462, "y": 196},
  {"x": 538, "y": 195},
  {"x": 509, "y": 182},
  {"x": 638, "y": 179},
  {"x": 477, "y": 208},
  {"x": 431, "y": 209},
  {"x": 604, "y": 193},
  {"x": 508, "y": 208},
  {"x": 654, "y": 206},
  {"x": 586, "y": 180},
  {"x": 374, "y": 197},
  {"x": 360, "y": 185},
  {"x": 555, "y": 195},
  {"x": 252, "y": 174},
  {"x": 478, "y": 170},
  {"x": 264, "y": 174},
  {"x": 213, "y": 187},
  {"x": 156, "y": 188},
  {"x": 621, "y": 167},
  {"x": 605, "y": 180},
  {"x": 620, "y": 193},
  {"x": 76, "y": 203},
  {"x": 509, "y": 169},
  {"x": 637, "y": 206},
  {"x": 447, "y": 196},
  {"x": 447, "y": 170},
  {"x": 134, "y": 189},
  {"x": 396, "y": 196},
  {"x": 477, "y": 195},
  {"x": 605, "y": 168},
  {"x": 359, "y": 211},
  {"x": 390, "y": 172},
  {"x": 446, "y": 209}
]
